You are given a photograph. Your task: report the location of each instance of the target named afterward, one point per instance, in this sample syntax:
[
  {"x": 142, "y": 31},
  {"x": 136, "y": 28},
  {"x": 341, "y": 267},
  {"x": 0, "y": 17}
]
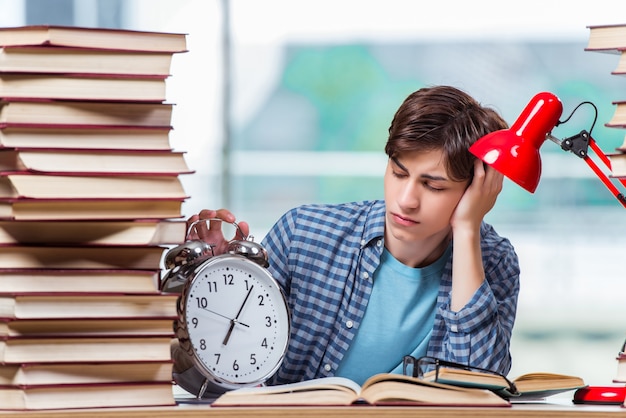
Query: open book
[
  {"x": 530, "y": 385},
  {"x": 381, "y": 389}
]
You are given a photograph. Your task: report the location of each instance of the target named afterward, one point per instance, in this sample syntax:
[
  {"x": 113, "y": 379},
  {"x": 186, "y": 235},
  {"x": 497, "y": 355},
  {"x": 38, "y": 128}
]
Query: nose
[{"x": 409, "y": 196}]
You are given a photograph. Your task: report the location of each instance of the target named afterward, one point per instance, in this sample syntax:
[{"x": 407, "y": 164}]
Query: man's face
[{"x": 420, "y": 197}]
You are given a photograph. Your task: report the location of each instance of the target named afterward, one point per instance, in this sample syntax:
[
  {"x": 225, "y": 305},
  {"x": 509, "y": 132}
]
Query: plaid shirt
[{"x": 324, "y": 257}]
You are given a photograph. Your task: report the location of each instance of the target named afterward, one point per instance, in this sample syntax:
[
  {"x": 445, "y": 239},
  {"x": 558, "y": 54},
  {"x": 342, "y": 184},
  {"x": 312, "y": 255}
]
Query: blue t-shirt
[{"x": 398, "y": 319}]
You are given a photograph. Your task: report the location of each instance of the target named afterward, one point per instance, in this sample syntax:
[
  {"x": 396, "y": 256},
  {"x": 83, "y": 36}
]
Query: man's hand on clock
[
  {"x": 212, "y": 233},
  {"x": 236, "y": 319}
]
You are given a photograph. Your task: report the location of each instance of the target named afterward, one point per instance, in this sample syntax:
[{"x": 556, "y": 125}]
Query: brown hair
[{"x": 446, "y": 118}]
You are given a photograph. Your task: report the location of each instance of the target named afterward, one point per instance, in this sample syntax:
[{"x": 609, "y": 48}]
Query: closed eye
[{"x": 433, "y": 187}]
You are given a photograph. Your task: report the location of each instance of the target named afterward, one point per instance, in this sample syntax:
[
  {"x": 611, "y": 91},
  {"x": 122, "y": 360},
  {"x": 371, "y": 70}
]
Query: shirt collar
[{"x": 374, "y": 224}]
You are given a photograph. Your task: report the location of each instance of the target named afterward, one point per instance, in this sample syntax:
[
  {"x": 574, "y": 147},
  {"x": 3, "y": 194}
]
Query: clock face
[{"x": 237, "y": 321}]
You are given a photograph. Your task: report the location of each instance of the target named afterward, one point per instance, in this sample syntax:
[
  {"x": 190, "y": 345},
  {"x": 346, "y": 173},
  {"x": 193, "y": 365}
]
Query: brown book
[
  {"x": 618, "y": 164},
  {"x": 83, "y": 87},
  {"x": 381, "y": 389},
  {"x": 620, "y": 376},
  {"x": 66, "y": 232},
  {"x": 51, "y": 113},
  {"x": 618, "y": 120},
  {"x": 35, "y": 186},
  {"x": 129, "y": 138},
  {"x": 20, "y": 350},
  {"x": 21, "y": 281},
  {"x": 622, "y": 148},
  {"x": 530, "y": 385},
  {"x": 82, "y": 37},
  {"x": 80, "y": 257},
  {"x": 86, "y": 396},
  {"x": 606, "y": 38},
  {"x": 85, "y": 306},
  {"x": 620, "y": 69},
  {"x": 84, "y": 373},
  {"x": 87, "y": 327},
  {"x": 90, "y": 209},
  {"x": 61, "y": 60},
  {"x": 92, "y": 162}
]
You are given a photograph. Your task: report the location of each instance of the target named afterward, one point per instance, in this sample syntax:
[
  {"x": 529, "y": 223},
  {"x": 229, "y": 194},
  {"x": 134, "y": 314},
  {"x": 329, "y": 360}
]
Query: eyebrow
[{"x": 425, "y": 175}]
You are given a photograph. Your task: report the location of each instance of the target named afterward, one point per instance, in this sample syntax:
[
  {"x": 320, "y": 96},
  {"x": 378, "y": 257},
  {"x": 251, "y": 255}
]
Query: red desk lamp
[{"x": 515, "y": 151}]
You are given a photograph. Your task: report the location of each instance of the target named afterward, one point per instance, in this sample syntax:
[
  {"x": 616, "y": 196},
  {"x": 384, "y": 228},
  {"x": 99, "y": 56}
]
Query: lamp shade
[{"x": 515, "y": 151}]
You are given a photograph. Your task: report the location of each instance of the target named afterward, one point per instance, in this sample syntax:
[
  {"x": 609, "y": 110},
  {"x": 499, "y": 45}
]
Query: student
[{"x": 419, "y": 273}]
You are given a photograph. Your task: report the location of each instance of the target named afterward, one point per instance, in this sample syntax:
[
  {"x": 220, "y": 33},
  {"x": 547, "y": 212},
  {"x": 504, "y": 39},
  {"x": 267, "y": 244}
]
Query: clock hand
[
  {"x": 236, "y": 319},
  {"x": 224, "y": 316}
]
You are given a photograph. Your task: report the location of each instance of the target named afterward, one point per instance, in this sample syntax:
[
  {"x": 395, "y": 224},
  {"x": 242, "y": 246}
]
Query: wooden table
[{"x": 543, "y": 410}]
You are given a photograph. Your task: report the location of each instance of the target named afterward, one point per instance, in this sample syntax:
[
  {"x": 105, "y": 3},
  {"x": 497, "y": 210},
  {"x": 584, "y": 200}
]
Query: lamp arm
[{"x": 579, "y": 145}]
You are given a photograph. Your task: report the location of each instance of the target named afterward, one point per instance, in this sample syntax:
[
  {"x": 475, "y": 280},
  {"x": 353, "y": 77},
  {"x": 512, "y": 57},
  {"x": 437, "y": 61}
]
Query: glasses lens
[
  {"x": 408, "y": 366},
  {"x": 426, "y": 365}
]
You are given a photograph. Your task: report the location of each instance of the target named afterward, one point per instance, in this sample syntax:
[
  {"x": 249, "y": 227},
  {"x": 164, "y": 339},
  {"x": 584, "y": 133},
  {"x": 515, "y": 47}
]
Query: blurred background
[{"x": 280, "y": 103}]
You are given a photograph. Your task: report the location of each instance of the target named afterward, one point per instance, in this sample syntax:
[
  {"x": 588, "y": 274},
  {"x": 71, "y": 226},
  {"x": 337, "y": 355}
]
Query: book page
[
  {"x": 335, "y": 383},
  {"x": 323, "y": 391}
]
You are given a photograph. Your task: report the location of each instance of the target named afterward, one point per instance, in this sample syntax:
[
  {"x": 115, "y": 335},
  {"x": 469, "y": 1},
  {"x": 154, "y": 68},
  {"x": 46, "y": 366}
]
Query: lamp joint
[{"x": 577, "y": 144}]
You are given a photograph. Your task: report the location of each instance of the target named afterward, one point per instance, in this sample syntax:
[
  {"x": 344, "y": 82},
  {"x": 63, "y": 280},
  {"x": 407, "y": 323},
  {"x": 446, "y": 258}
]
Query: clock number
[
  {"x": 194, "y": 321},
  {"x": 202, "y": 303},
  {"x": 261, "y": 300},
  {"x": 264, "y": 343},
  {"x": 228, "y": 279},
  {"x": 203, "y": 344},
  {"x": 217, "y": 360},
  {"x": 252, "y": 358},
  {"x": 269, "y": 321},
  {"x": 235, "y": 365},
  {"x": 212, "y": 286}
]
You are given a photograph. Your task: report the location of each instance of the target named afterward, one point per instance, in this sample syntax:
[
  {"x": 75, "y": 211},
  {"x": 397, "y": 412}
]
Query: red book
[
  {"x": 89, "y": 305},
  {"x": 86, "y": 396},
  {"x": 100, "y": 38},
  {"x": 84, "y": 114},
  {"x": 90, "y": 208},
  {"x": 94, "y": 138},
  {"x": 69, "y": 60},
  {"x": 93, "y": 162},
  {"x": 24, "y": 281}
]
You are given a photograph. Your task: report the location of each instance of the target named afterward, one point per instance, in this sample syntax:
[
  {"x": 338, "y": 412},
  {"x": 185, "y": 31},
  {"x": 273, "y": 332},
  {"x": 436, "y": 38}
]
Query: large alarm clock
[{"x": 233, "y": 320}]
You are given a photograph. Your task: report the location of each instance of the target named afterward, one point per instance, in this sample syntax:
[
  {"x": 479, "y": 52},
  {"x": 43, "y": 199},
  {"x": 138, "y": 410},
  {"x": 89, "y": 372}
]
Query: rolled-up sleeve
[{"x": 479, "y": 335}]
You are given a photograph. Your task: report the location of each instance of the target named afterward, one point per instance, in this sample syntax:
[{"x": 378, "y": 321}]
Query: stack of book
[
  {"x": 620, "y": 376},
  {"x": 612, "y": 39},
  {"x": 90, "y": 198}
]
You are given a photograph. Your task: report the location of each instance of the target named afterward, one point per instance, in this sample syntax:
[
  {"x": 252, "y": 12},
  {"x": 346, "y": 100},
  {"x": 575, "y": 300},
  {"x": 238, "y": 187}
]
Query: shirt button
[
  {"x": 349, "y": 324},
  {"x": 365, "y": 275},
  {"x": 379, "y": 243},
  {"x": 327, "y": 367},
  {"x": 362, "y": 242}
]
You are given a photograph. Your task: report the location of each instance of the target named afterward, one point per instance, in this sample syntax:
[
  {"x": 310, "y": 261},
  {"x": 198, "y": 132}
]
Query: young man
[{"x": 419, "y": 273}]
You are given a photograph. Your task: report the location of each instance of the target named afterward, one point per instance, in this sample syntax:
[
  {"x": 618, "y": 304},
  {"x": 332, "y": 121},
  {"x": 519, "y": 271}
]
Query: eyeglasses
[{"x": 427, "y": 367}]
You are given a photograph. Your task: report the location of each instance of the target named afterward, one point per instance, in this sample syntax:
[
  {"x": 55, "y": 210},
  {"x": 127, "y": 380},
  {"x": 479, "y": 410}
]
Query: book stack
[
  {"x": 612, "y": 39},
  {"x": 620, "y": 376},
  {"x": 90, "y": 198}
]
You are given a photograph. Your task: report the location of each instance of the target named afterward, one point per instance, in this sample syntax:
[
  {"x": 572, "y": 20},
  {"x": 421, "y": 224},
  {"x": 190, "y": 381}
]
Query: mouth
[{"x": 401, "y": 220}]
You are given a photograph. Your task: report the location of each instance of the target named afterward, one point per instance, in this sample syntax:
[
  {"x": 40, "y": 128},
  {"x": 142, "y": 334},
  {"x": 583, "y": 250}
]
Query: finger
[
  {"x": 243, "y": 231},
  {"x": 494, "y": 178},
  {"x": 191, "y": 232},
  {"x": 219, "y": 216},
  {"x": 479, "y": 168},
  {"x": 202, "y": 228}
]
